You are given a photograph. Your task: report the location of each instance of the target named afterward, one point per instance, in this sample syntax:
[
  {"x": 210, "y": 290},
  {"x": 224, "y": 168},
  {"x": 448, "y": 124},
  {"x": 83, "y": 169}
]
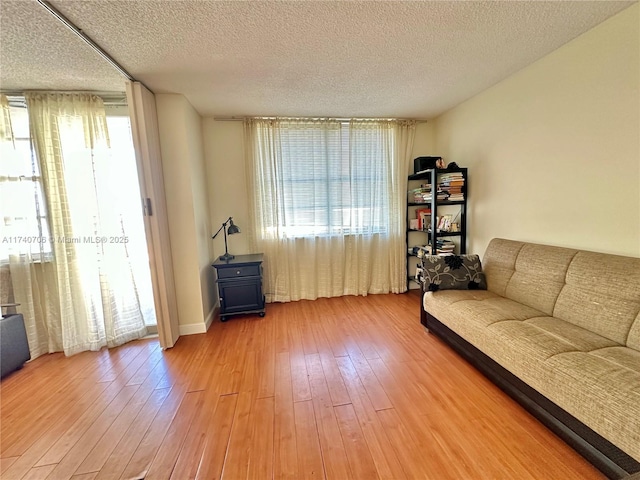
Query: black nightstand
[{"x": 240, "y": 285}]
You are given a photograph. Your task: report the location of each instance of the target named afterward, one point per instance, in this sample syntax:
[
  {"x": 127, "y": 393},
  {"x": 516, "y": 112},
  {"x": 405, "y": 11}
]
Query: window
[
  {"x": 23, "y": 212},
  {"x": 329, "y": 179}
]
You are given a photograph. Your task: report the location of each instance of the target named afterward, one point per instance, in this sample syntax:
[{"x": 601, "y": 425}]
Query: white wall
[
  {"x": 181, "y": 142},
  {"x": 554, "y": 150},
  {"x": 424, "y": 144},
  {"x": 228, "y": 196}
]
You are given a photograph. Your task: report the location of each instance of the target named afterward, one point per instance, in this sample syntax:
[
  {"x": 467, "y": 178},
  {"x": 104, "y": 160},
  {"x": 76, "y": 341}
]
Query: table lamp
[{"x": 231, "y": 230}]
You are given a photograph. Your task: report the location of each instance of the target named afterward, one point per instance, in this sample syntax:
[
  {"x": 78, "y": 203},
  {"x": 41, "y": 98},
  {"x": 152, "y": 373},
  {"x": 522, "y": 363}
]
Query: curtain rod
[
  {"x": 110, "y": 99},
  {"x": 88, "y": 40},
  {"x": 99, "y": 93},
  {"x": 339, "y": 119}
]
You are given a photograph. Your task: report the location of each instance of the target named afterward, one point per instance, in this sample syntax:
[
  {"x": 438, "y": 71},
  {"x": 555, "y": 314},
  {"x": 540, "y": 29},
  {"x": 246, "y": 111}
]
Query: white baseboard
[
  {"x": 201, "y": 327},
  {"x": 209, "y": 319},
  {"x": 192, "y": 328}
]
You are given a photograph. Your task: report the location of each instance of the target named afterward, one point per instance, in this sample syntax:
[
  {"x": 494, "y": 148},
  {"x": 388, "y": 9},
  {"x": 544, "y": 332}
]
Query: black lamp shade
[{"x": 233, "y": 228}]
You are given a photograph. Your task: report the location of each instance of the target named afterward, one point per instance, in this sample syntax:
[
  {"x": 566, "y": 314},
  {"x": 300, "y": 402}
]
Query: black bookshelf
[{"x": 426, "y": 237}]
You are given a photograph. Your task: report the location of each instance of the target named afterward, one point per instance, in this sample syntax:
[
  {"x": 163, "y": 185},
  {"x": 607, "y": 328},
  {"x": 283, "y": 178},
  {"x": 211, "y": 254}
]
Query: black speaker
[{"x": 424, "y": 163}]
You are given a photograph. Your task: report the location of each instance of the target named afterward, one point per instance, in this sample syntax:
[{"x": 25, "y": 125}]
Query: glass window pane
[
  {"x": 331, "y": 182},
  {"x": 19, "y": 122},
  {"x": 23, "y": 211}
]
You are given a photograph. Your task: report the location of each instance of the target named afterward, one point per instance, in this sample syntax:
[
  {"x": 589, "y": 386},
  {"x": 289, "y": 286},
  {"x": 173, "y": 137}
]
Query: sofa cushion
[
  {"x": 575, "y": 337},
  {"x": 469, "y": 313},
  {"x": 522, "y": 345},
  {"x": 499, "y": 263},
  {"x": 452, "y": 272},
  {"x": 539, "y": 276},
  {"x": 597, "y": 389},
  {"x": 589, "y": 376},
  {"x": 601, "y": 294},
  {"x": 633, "y": 339},
  {"x": 623, "y": 356}
]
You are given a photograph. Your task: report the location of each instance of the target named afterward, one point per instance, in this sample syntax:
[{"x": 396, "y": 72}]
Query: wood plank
[
  {"x": 85, "y": 476},
  {"x": 236, "y": 464},
  {"x": 56, "y": 428},
  {"x": 121, "y": 455},
  {"x": 299, "y": 377},
  {"x": 261, "y": 450},
  {"x": 38, "y": 473},
  {"x": 284, "y": 438},
  {"x": 405, "y": 445},
  {"x": 23, "y": 425},
  {"x": 372, "y": 385},
  {"x": 5, "y": 463},
  {"x": 217, "y": 440},
  {"x": 358, "y": 454},
  {"x": 98, "y": 456},
  {"x": 167, "y": 454},
  {"x": 387, "y": 464},
  {"x": 266, "y": 374},
  {"x": 337, "y": 390},
  {"x": 310, "y": 464},
  {"x": 334, "y": 456},
  {"x": 77, "y": 453},
  {"x": 146, "y": 450},
  {"x": 186, "y": 466},
  {"x": 334, "y": 337}
]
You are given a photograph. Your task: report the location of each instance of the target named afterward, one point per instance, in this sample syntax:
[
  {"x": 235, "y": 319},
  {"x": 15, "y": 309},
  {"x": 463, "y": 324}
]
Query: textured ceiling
[
  {"x": 300, "y": 58},
  {"x": 37, "y": 52}
]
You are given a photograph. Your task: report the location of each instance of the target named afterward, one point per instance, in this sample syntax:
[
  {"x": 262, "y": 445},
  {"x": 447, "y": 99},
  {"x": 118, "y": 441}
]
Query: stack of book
[
  {"x": 420, "y": 195},
  {"x": 452, "y": 183},
  {"x": 444, "y": 247}
]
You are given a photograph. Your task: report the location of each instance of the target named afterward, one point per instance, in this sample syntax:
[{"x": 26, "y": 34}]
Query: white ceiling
[{"x": 300, "y": 58}]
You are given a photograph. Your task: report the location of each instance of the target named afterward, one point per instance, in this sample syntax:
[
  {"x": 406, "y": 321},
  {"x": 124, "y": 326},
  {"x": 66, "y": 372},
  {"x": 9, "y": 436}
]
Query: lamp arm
[
  {"x": 226, "y": 250},
  {"x": 220, "y": 229}
]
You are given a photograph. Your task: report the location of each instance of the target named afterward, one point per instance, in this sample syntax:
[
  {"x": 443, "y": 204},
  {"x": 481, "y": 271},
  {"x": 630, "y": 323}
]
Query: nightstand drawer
[{"x": 235, "y": 272}]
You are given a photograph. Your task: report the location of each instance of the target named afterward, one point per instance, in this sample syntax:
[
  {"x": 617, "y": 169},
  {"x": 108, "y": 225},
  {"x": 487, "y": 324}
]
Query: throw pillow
[{"x": 452, "y": 272}]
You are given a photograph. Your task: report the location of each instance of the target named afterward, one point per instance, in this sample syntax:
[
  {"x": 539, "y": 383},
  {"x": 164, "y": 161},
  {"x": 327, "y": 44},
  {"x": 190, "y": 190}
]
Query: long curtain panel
[
  {"x": 25, "y": 251},
  {"x": 85, "y": 296},
  {"x": 325, "y": 197}
]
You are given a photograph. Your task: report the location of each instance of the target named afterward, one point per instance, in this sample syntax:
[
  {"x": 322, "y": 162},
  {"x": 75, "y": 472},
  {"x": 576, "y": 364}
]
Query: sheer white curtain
[
  {"x": 326, "y": 205},
  {"x": 25, "y": 251},
  {"x": 85, "y": 296}
]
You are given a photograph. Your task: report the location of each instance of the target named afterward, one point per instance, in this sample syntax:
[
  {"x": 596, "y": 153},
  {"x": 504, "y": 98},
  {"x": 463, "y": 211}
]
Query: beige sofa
[{"x": 559, "y": 330}]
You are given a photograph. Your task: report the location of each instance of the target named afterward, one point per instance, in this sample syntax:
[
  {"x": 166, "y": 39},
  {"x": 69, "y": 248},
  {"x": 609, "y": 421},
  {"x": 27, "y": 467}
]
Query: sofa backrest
[
  {"x": 596, "y": 291},
  {"x": 633, "y": 340},
  {"x": 527, "y": 273},
  {"x": 602, "y": 294}
]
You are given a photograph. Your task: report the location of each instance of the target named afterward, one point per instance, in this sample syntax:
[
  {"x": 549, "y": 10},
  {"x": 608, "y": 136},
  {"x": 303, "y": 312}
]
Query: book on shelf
[
  {"x": 420, "y": 195},
  {"x": 423, "y": 216},
  {"x": 450, "y": 176},
  {"x": 445, "y": 247},
  {"x": 444, "y": 223},
  {"x": 452, "y": 189}
]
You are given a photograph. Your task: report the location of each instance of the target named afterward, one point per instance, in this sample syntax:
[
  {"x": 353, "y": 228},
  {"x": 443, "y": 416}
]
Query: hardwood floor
[{"x": 350, "y": 387}]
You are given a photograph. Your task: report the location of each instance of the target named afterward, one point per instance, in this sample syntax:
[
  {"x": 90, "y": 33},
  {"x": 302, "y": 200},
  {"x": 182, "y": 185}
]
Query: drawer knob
[{"x": 238, "y": 272}]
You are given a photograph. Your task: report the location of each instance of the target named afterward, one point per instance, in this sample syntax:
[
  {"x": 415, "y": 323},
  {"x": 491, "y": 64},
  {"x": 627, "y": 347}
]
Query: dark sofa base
[{"x": 605, "y": 456}]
